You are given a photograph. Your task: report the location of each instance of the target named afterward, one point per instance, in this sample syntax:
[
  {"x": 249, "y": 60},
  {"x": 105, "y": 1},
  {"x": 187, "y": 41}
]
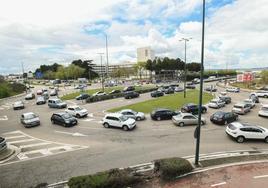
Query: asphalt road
[{"x": 52, "y": 153}]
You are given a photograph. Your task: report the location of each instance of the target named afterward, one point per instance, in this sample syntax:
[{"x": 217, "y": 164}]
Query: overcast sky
[{"x": 46, "y": 31}]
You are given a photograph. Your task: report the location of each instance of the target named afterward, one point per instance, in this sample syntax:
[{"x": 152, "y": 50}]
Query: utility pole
[
  {"x": 185, "y": 69},
  {"x": 198, "y": 128},
  {"x": 107, "y": 58},
  {"x": 22, "y": 67},
  {"x": 102, "y": 86}
]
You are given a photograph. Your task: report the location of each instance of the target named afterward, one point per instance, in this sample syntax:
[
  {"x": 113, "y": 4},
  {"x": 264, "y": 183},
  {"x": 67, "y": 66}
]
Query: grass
[
  {"x": 106, "y": 89},
  {"x": 173, "y": 101}
]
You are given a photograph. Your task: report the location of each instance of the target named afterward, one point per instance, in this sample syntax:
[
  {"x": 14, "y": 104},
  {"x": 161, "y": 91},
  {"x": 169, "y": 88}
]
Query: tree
[
  {"x": 49, "y": 75},
  {"x": 87, "y": 65},
  {"x": 139, "y": 67},
  {"x": 194, "y": 67},
  {"x": 264, "y": 76}
]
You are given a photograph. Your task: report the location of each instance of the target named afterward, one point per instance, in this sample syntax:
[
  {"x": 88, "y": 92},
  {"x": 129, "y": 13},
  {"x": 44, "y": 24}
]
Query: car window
[
  {"x": 245, "y": 129},
  {"x": 188, "y": 117},
  {"x": 70, "y": 109}
]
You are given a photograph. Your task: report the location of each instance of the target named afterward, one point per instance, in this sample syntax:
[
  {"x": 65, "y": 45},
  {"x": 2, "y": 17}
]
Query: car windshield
[
  {"x": 30, "y": 116},
  {"x": 213, "y": 101},
  {"x": 66, "y": 116},
  {"x": 123, "y": 118},
  {"x": 58, "y": 101},
  {"x": 78, "y": 108},
  {"x": 218, "y": 115}
]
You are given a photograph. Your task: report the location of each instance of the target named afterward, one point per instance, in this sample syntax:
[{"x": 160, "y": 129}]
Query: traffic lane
[{"x": 253, "y": 175}]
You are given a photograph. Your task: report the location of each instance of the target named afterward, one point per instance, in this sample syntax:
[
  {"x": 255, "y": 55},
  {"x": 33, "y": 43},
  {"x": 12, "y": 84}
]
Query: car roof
[
  {"x": 265, "y": 105},
  {"x": 239, "y": 104},
  {"x": 186, "y": 114},
  {"x": 27, "y": 113},
  {"x": 220, "y": 113},
  {"x": 114, "y": 115},
  {"x": 60, "y": 113},
  {"x": 161, "y": 109},
  {"x": 74, "y": 106},
  {"x": 126, "y": 110}
]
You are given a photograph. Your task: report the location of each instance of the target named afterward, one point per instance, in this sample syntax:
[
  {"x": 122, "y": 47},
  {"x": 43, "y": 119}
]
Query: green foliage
[
  {"x": 7, "y": 89},
  {"x": 87, "y": 65},
  {"x": 170, "y": 168},
  {"x": 114, "y": 178},
  {"x": 264, "y": 76}
]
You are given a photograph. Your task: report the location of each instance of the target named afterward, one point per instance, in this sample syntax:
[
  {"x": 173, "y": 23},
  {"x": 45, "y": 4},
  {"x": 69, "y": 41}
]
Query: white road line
[
  {"x": 262, "y": 176},
  {"x": 13, "y": 132},
  {"x": 3, "y": 118},
  {"x": 218, "y": 184},
  {"x": 19, "y": 141},
  {"x": 12, "y": 137},
  {"x": 91, "y": 128},
  {"x": 33, "y": 145},
  {"x": 22, "y": 156},
  {"x": 88, "y": 119}
]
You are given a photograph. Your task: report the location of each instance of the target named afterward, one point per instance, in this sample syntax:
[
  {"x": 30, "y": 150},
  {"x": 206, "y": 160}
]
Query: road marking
[
  {"x": 22, "y": 156},
  {"x": 91, "y": 128},
  {"x": 88, "y": 119},
  {"x": 73, "y": 134},
  {"x": 33, "y": 145},
  {"x": 2, "y": 108},
  {"x": 19, "y": 141},
  {"x": 218, "y": 184},
  {"x": 262, "y": 176},
  {"x": 12, "y": 137},
  {"x": 3, "y": 118}
]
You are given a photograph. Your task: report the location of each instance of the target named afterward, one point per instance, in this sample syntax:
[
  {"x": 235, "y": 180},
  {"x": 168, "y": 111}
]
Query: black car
[
  {"x": 193, "y": 108},
  {"x": 64, "y": 119},
  {"x": 170, "y": 90},
  {"x": 82, "y": 96},
  {"x": 223, "y": 118},
  {"x": 129, "y": 88},
  {"x": 157, "y": 94},
  {"x": 190, "y": 86},
  {"x": 163, "y": 114},
  {"x": 115, "y": 92},
  {"x": 211, "y": 89},
  {"x": 226, "y": 99},
  {"x": 131, "y": 94}
]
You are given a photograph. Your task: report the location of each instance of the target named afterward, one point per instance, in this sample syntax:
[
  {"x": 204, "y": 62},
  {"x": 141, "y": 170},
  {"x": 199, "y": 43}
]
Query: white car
[
  {"x": 233, "y": 89},
  {"x": 118, "y": 120},
  {"x": 132, "y": 114},
  {"x": 216, "y": 103},
  {"x": 241, "y": 108},
  {"x": 223, "y": 93},
  {"x": 264, "y": 111},
  {"x": 99, "y": 93},
  {"x": 186, "y": 119},
  {"x": 29, "y": 96},
  {"x": 18, "y": 105},
  {"x": 242, "y": 131},
  {"x": 77, "y": 111},
  {"x": 261, "y": 94},
  {"x": 250, "y": 102}
]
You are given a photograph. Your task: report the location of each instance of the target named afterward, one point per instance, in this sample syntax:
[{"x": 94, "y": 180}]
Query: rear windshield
[
  {"x": 218, "y": 115},
  {"x": 231, "y": 126}
]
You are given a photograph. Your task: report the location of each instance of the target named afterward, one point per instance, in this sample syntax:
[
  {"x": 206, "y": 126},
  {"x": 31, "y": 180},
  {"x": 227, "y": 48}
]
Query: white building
[{"x": 145, "y": 53}]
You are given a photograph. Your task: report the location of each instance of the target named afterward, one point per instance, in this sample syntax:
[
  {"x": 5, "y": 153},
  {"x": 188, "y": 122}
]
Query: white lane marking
[
  {"x": 92, "y": 128},
  {"x": 73, "y": 134},
  {"x": 33, "y": 145},
  {"x": 218, "y": 184},
  {"x": 88, "y": 119},
  {"x": 3, "y": 118},
  {"x": 90, "y": 115},
  {"x": 19, "y": 141},
  {"x": 262, "y": 176},
  {"x": 22, "y": 156},
  {"x": 2, "y": 108},
  {"x": 13, "y": 132},
  {"x": 12, "y": 137}
]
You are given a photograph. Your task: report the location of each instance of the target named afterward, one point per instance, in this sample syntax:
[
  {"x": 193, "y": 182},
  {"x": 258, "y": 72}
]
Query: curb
[
  {"x": 14, "y": 153},
  {"x": 12, "y": 97}
]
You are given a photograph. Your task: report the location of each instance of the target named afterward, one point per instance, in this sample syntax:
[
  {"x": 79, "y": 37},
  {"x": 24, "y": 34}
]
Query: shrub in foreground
[{"x": 170, "y": 168}]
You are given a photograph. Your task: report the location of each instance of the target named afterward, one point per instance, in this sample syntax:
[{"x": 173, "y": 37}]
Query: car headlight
[{"x": 67, "y": 121}]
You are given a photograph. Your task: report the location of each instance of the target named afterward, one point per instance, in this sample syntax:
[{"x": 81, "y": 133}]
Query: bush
[
  {"x": 172, "y": 167},
  {"x": 114, "y": 178}
]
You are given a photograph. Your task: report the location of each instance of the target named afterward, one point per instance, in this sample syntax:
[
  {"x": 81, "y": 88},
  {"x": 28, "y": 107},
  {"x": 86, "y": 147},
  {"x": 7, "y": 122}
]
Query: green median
[{"x": 172, "y": 101}]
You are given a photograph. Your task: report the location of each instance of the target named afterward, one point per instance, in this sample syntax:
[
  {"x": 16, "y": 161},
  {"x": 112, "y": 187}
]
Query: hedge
[
  {"x": 117, "y": 95},
  {"x": 170, "y": 168},
  {"x": 114, "y": 178}
]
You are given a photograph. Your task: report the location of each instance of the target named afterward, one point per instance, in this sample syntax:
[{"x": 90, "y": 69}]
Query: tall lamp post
[
  {"x": 101, "y": 71},
  {"x": 107, "y": 58},
  {"x": 198, "y": 129},
  {"x": 185, "y": 70}
]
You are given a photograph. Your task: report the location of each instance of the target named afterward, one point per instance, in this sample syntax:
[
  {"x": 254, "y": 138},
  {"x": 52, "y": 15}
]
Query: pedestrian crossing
[{"x": 31, "y": 147}]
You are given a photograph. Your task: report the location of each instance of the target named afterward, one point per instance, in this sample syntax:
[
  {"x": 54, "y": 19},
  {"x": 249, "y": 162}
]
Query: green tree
[
  {"x": 139, "y": 67},
  {"x": 87, "y": 65},
  {"x": 264, "y": 76},
  {"x": 49, "y": 75}
]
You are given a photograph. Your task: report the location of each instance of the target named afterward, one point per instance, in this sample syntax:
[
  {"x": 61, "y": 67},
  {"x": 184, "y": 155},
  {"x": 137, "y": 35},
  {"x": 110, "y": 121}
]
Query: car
[
  {"x": 82, "y": 96},
  {"x": 226, "y": 99},
  {"x": 250, "y": 102},
  {"x": 77, "y": 111},
  {"x": 53, "y": 92},
  {"x": 80, "y": 86},
  {"x": 157, "y": 93},
  {"x": 196, "y": 81},
  {"x": 243, "y": 131},
  {"x": 241, "y": 108},
  {"x": 29, "y": 119},
  {"x": 45, "y": 95},
  {"x": 261, "y": 94},
  {"x": 255, "y": 98},
  {"x": 63, "y": 118},
  {"x": 99, "y": 93},
  {"x": 233, "y": 89},
  {"x": 56, "y": 103},
  {"x": 211, "y": 89},
  {"x": 216, "y": 103},
  {"x": 132, "y": 114},
  {"x": 3, "y": 144},
  {"x": 40, "y": 100},
  {"x": 190, "y": 86},
  {"x": 29, "y": 96},
  {"x": 18, "y": 105},
  {"x": 162, "y": 114},
  {"x": 193, "y": 108},
  {"x": 119, "y": 121},
  {"x": 129, "y": 88},
  {"x": 263, "y": 111},
  {"x": 114, "y": 92},
  {"x": 170, "y": 90},
  {"x": 39, "y": 92},
  {"x": 131, "y": 94},
  {"x": 223, "y": 93},
  {"x": 223, "y": 118},
  {"x": 178, "y": 89},
  {"x": 187, "y": 119}
]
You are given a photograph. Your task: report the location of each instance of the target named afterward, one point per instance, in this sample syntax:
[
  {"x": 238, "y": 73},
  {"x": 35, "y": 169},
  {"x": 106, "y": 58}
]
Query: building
[
  {"x": 245, "y": 77},
  {"x": 145, "y": 53}
]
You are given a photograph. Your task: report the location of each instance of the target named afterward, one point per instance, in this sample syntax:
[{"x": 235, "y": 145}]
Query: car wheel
[
  {"x": 53, "y": 122},
  {"x": 181, "y": 124},
  {"x": 158, "y": 118},
  {"x": 266, "y": 139},
  {"x": 125, "y": 128},
  {"x": 202, "y": 123},
  {"x": 204, "y": 111},
  {"x": 138, "y": 118},
  {"x": 225, "y": 122},
  {"x": 266, "y": 96},
  {"x": 240, "y": 139},
  {"x": 78, "y": 115},
  {"x": 106, "y": 125}
]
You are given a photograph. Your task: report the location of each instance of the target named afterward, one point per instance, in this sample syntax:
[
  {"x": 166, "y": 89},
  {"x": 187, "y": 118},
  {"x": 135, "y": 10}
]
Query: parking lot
[{"x": 90, "y": 144}]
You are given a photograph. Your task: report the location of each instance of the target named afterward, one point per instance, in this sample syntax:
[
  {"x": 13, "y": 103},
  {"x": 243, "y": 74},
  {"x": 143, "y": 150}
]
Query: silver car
[
  {"x": 18, "y": 105},
  {"x": 132, "y": 114},
  {"x": 187, "y": 119},
  {"x": 29, "y": 119}
]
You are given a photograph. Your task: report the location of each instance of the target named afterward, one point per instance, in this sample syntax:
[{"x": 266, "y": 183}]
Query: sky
[{"x": 35, "y": 32}]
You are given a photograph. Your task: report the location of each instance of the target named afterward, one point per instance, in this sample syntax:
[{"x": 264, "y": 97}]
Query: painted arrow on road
[
  {"x": 3, "y": 118},
  {"x": 72, "y": 134}
]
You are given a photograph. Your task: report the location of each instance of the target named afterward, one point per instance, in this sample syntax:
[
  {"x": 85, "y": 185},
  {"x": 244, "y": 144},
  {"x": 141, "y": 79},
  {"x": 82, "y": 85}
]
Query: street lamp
[
  {"x": 185, "y": 70},
  {"x": 101, "y": 72},
  {"x": 107, "y": 58},
  {"x": 198, "y": 128}
]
